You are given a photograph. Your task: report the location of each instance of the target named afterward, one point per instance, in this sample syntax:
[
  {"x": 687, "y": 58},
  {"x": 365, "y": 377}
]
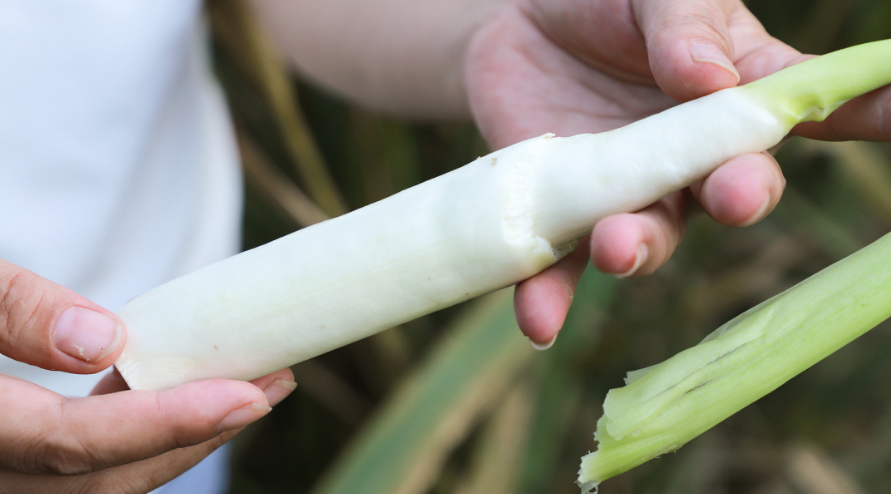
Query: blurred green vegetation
[{"x": 458, "y": 402}]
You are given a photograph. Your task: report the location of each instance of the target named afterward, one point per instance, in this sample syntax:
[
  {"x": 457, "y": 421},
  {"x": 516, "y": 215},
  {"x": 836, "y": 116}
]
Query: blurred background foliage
[{"x": 459, "y": 403}]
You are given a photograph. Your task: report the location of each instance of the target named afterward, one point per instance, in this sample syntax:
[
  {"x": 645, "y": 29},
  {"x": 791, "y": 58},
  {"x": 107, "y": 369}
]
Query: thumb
[
  {"x": 47, "y": 325},
  {"x": 689, "y": 45}
]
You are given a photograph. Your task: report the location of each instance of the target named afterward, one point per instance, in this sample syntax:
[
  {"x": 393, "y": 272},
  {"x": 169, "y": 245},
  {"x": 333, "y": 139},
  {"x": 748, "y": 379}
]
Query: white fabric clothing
[{"x": 117, "y": 165}]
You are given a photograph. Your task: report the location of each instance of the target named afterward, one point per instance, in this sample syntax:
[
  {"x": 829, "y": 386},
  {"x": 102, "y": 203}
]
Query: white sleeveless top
[{"x": 118, "y": 169}]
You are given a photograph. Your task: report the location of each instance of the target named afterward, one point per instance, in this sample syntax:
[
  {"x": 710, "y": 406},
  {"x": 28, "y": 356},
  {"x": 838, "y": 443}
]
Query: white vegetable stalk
[{"x": 487, "y": 225}]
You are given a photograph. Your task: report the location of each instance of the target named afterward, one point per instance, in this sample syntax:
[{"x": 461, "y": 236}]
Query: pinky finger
[
  {"x": 634, "y": 244},
  {"x": 742, "y": 191},
  {"x": 133, "y": 478},
  {"x": 542, "y": 302}
]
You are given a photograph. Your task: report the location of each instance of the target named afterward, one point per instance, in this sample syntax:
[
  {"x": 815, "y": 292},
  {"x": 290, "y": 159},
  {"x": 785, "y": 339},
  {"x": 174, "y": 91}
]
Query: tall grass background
[{"x": 459, "y": 403}]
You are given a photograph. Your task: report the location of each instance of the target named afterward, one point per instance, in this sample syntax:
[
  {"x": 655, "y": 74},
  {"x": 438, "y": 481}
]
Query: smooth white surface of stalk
[
  {"x": 484, "y": 226},
  {"x": 450, "y": 239},
  {"x": 587, "y": 177}
]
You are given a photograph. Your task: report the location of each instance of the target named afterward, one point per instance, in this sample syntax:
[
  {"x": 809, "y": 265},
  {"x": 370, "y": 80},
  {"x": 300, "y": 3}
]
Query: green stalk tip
[{"x": 811, "y": 90}]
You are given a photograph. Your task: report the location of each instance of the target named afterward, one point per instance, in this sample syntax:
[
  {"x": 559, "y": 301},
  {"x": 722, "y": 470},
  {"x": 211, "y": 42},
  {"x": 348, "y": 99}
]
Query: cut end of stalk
[
  {"x": 161, "y": 374},
  {"x": 663, "y": 407},
  {"x": 589, "y": 487},
  {"x": 586, "y": 482}
]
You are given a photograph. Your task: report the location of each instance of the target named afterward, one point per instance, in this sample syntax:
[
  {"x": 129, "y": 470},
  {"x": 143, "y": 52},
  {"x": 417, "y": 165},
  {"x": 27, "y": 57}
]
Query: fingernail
[
  {"x": 543, "y": 346},
  {"x": 243, "y": 416},
  {"x": 278, "y": 390},
  {"x": 642, "y": 253},
  {"x": 705, "y": 53},
  {"x": 86, "y": 334}
]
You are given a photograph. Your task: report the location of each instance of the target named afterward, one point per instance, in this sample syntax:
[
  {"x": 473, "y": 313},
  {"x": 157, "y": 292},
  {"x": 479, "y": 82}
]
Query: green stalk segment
[
  {"x": 811, "y": 90},
  {"x": 666, "y": 405}
]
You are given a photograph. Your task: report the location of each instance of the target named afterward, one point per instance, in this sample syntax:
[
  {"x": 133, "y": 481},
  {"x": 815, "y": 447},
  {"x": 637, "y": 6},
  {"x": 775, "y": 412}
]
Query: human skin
[
  {"x": 521, "y": 68},
  {"x": 115, "y": 440},
  {"x": 518, "y": 68}
]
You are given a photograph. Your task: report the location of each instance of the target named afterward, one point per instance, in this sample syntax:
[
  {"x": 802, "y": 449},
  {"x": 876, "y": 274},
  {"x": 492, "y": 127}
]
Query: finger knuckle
[
  {"x": 20, "y": 305},
  {"x": 184, "y": 427},
  {"x": 701, "y": 21},
  {"x": 178, "y": 435},
  {"x": 55, "y": 451},
  {"x": 58, "y": 455}
]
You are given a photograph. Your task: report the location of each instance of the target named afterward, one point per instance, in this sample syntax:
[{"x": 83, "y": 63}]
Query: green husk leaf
[{"x": 743, "y": 360}]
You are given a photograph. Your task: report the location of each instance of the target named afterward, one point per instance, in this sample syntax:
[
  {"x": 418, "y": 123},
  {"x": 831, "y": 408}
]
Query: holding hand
[
  {"x": 571, "y": 67},
  {"x": 115, "y": 440}
]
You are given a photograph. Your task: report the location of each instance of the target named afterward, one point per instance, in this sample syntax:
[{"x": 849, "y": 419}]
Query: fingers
[
  {"x": 739, "y": 193},
  {"x": 541, "y": 302},
  {"x": 634, "y": 244},
  {"x": 134, "y": 478},
  {"x": 742, "y": 191},
  {"x": 142, "y": 476},
  {"x": 145, "y": 475},
  {"x": 625, "y": 245},
  {"x": 696, "y": 47},
  {"x": 45, "y": 433},
  {"x": 45, "y": 324},
  {"x": 689, "y": 45},
  {"x": 276, "y": 386}
]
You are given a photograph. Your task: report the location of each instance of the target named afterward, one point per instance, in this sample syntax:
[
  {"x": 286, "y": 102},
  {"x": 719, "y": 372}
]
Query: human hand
[
  {"x": 576, "y": 66},
  {"x": 115, "y": 440}
]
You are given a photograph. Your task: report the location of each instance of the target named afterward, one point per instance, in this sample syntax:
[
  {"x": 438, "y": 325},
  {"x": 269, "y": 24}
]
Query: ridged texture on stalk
[{"x": 664, "y": 406}]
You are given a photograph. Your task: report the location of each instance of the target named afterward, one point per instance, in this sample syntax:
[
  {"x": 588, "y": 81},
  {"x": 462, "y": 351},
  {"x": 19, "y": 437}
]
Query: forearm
[{"x": 401, "y": 56}]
